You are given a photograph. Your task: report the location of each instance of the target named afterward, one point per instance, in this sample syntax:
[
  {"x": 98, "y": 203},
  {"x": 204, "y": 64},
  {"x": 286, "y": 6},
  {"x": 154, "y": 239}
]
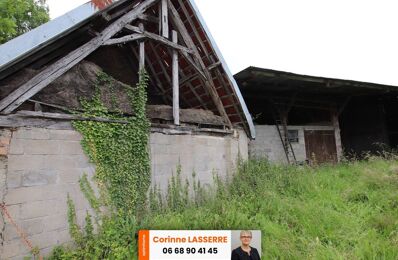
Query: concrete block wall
[
  {"x": 203, "y": 154},
  {"x": 42, "y": 167},
  {"x": 268, "y": 143},
  {"x": 39, "y": 167}
]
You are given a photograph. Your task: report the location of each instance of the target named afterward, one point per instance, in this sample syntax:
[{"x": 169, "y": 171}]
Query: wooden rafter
[
  {"x": 189, "y": 42},
  {"x": 157, "y": 38},
  {"x": 52, "y": 72}
]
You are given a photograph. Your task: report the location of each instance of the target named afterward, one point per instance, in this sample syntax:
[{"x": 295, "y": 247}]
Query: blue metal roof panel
[{"x": 41, "y": 36}]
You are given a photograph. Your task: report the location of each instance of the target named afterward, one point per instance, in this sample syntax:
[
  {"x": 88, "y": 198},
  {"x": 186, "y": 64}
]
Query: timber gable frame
[{"x": 187, "y": 70}]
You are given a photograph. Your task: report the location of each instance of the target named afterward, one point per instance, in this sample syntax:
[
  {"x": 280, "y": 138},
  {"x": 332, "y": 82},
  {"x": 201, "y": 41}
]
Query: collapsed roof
[{"x": 108, "y": 37}]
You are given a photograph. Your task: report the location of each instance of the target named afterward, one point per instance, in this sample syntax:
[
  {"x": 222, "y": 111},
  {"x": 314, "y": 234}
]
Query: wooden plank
[
  {"x": 52, "y": 72},
  {"x": 148, "y": 18},
  {"x": 142, "y": 50},
  {"x": 193, "y": 64},
  {"x": 158, "y": 38},
  {"x": 58, "y": 116},
  {"x": 176, "y": 99},
  {"x": 153, "y": 76},
  {"x": 165, "y": 19},
  {"x": 214, "y": 65},
  {"x": 124, "y": 39},
  {"x": 189, "y": 42}
]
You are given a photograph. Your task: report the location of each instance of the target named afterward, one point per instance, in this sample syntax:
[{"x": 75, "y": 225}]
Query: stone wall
[
  {"x": 39, "y": 167},
  {"x": 269, "y": 145}
]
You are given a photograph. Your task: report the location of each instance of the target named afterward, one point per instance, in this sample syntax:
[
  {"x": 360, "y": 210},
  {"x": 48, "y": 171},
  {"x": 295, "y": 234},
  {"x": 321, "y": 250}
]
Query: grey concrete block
[
  {"x": 56, "y": 222},
  {"x": 16, "y": 146},
  {"x": 70, "y": 135},
  {"x": 38, "y": 209},
  {"x": 29, "y": 227},
  {"x": 32, "y": 133},
  {"x": 14, "y": 179},
  {"x": 71, "y": 148},
  {"x": 26, "y": 162},
  {"x": 11, "y": 250},
  {"x": 39, "y": 178},
  {"x": 32, "y": 194},
  {"x": 41, "y": 147}
]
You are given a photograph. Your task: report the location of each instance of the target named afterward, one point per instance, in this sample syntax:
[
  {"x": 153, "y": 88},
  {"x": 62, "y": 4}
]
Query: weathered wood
[
  {"x": 13, "y": 121},
  {"x": 52, "y": 72},
  {"x": 193, "y": 64},
  {"x": 337, "y": 133},
  {"x": 176, "y": 99},
  {"x": 189, "y": 42},
  {"x": 165, "y": 19},
  {"x": 158, "y": 38},
  {"x": 148, "y": 18},
  {"x": 142, "y": 50},
  {"x": 152, "y": 73},
  {"x": 214, "y": 65},
  {"x": 124, "y": 39},
  {"x": 51, "y": 105},
  {"x": 68, "y": 117}
]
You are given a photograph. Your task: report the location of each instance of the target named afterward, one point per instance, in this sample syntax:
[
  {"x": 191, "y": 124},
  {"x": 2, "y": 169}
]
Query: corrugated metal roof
[{"x": 41, "y": 36}]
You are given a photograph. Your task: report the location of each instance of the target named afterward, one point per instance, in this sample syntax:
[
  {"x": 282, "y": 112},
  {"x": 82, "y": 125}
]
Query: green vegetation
[
  {"x": 19, "y": 16},
  {"x": 119, "y": 151},
  {"x": 349, "y": 211}
]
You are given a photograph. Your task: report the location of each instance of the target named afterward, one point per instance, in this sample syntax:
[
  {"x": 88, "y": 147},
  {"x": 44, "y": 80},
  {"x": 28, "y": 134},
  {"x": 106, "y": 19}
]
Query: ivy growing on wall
[{"x": 119, "y": 150}]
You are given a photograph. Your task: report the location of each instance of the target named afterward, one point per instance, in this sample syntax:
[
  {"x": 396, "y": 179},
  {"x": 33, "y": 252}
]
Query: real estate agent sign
[{"x": 198, "y": 244}]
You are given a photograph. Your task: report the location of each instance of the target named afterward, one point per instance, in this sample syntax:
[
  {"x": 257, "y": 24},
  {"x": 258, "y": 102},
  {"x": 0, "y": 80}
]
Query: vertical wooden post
[
  {"x": 164, "y": 19},
  {"x": 337, "y": 134},
  {"x": 142, "y": 50},
  {"x": 175, "y": 80}
]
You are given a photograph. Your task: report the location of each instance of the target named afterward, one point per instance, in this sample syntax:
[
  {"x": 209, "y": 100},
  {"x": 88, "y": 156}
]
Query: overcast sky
[{"x": 348, "y": 39}]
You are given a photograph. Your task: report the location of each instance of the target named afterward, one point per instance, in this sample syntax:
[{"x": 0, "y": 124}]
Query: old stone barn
[
  {"x": 300, "y": 118},
  {"x": 198, "y": 117}
]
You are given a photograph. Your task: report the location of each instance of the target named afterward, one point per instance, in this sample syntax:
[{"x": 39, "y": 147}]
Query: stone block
[
  {"x": 32, "y": 133},
  {"x": 39, "y": 178},
  {"x": 69, "y": 176},
  {"x": 29, "y": 227},
  {"x": 32, "y": 194},
  {"x": 41, "y": 147},
  {"x": 56, "y": 222},
  {"x": 14, "y": 179},
  {"x": 38, "y": 209},
  {"x": 71, "y": 148},
  {"x": 45, "y": 239},
  {"x": 16, "y": 146},
  {"x": 70, "y": 135},
  {"x": 11, "y": 250},
  {"x": 25, "y": 162}
]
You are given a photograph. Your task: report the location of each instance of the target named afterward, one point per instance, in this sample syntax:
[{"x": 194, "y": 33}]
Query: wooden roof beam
[
  {"x": 157, "y": 38},
  {"x": 54, "y": 71},
  {"x": 190, "y": 44}
]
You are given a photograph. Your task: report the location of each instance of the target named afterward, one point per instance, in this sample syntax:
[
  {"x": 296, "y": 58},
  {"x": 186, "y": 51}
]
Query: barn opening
[{"x": 332, "y": 117}]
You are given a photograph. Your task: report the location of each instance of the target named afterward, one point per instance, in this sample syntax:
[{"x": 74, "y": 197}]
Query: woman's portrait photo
[{"x": 248, "y": 241}]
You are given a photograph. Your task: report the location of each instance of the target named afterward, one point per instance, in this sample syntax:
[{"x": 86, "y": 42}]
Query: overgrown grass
[{"x": 348, "y": 211}]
